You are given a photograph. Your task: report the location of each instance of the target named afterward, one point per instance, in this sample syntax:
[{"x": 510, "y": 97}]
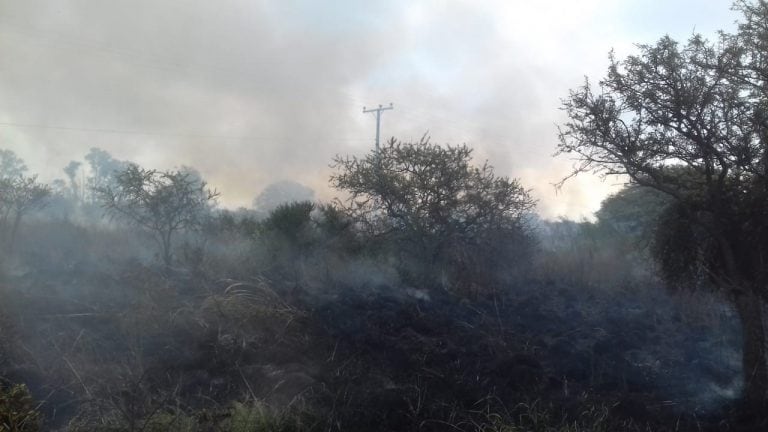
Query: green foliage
[
  {"x": 256, "y": 417},
  {"x": 291, "y": 221},
  {"x": 302, "y": 233},
  {"x": 237, "y": 417},
  {"x": 17, "y": 410},
  {"x": 172, "y": 421},
  {"x": 633, "y": 211}
]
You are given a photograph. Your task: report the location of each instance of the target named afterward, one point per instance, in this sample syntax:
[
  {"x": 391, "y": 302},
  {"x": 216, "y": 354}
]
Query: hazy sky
[{"x": 250, "y": 92}]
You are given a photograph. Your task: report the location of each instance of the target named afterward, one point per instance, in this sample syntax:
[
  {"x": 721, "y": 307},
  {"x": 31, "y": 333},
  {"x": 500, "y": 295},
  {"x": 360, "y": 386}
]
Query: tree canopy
[{"x": 633, "y": 211}]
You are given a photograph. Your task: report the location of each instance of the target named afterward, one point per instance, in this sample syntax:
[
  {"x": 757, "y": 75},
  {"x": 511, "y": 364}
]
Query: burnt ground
[{"x": 127, "y": 345}]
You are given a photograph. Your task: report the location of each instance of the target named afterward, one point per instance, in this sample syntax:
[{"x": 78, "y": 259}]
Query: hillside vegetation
[{"x": 392, "y": 311}]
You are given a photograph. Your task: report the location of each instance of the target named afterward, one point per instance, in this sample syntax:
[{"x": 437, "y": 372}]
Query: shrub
[{"x": 17, "y": 410}]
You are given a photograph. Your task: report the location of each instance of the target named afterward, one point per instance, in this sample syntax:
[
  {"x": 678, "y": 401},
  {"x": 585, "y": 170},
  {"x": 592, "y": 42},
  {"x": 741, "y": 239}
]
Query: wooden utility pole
[{"x": 378, "y": 112}]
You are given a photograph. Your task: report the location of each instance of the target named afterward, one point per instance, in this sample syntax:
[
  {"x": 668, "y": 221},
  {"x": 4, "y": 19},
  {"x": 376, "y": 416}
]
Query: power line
[
  {"x": 153, "y": 133},
  {"x": 139, "y": 59}
]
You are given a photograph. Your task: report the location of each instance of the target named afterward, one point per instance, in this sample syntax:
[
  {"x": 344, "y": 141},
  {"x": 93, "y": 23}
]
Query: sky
[{"x": 251, "y": 92}]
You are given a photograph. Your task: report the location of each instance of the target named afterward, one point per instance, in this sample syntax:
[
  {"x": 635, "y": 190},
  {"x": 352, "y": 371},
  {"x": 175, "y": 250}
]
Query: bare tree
[
  {"x": 443, "y": 211},
  {"x": 162, "y": 202},
  {"x": 691, "y": 122},
  {"x": 18, "y": 196}
]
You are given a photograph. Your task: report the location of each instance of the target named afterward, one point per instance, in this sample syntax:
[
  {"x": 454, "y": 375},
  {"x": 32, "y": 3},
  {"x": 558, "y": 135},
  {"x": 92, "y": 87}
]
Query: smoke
[{"x": 250, "y": 92}]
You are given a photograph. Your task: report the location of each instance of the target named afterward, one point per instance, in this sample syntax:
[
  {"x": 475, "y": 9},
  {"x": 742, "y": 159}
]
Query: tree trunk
[
  {"x": 14, "y": 230},
  {"x": 167, "y": 256},
  {"x": 749, "y": 308}
]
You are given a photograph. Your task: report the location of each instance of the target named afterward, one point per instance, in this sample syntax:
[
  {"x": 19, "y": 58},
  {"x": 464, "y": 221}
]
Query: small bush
[
  {"x": 17, "y": 410},
  {"x": 261, "y": 418},
  {"x": 238, "y": 417}
]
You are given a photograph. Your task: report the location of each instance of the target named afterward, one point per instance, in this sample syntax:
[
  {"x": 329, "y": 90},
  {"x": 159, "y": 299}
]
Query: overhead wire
[
  {"x": 139, "y": 59},
  {"x": 55, "y": 39},
  {"x": 429, "y": 118},
  {"x": 159, "y": 133}
]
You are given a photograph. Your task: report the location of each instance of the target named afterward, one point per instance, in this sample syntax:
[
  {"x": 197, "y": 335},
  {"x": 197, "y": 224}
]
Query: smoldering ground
[{"x": 322, "y": 333}]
